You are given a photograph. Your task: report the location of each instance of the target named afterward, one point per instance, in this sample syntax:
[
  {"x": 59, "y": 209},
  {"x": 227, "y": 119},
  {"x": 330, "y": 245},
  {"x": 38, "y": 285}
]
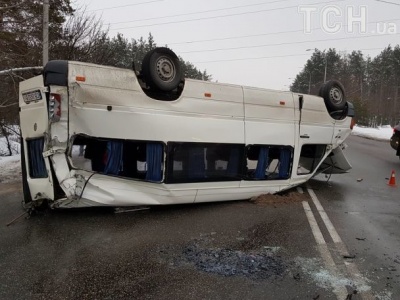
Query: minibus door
[
  {"x": 315, "y": 132},
  {"x": 34, "y": 129}
]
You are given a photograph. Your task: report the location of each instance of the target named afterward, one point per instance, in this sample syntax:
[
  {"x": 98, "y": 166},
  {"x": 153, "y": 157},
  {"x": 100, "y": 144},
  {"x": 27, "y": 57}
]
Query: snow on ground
[
  {"x": 10, "y": 168},
  {"x": 15, "y": 145},
  {"x": 382, "y": 133}
]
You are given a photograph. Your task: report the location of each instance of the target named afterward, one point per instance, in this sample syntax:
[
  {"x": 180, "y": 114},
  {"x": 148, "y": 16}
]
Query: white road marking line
[
  {"x": 351, "y": 267},
  {"x": 319, "y": 238},
  {"x": 340, "y": 292},
  {"x": 332, "y": 231},
  {"x": 300, "y": 190}
]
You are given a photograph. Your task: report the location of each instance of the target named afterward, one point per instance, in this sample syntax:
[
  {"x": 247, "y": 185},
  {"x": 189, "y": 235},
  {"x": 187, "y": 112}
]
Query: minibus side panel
[
  {"x": 269, "y": 117},
  {"x": 190, "y": 118}
]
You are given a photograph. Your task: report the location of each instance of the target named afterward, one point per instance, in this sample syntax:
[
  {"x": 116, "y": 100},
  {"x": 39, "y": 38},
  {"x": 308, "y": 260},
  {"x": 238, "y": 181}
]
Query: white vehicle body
[{"x": 98, "y": 105}]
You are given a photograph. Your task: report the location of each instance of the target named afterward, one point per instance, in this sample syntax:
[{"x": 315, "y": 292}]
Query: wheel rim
[
  {"x": 336, "y": 95},
  {"x": 165, "y": 69}
]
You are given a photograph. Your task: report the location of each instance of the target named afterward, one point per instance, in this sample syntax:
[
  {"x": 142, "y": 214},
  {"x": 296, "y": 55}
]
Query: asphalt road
[
  {"x": 231, "y": 250},
  {"x": 366, "y": 212}
]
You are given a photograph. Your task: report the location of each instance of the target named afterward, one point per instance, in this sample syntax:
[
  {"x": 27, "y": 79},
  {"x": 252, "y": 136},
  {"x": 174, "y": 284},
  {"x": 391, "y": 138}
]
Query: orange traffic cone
[{"x": 392, "y": 181}]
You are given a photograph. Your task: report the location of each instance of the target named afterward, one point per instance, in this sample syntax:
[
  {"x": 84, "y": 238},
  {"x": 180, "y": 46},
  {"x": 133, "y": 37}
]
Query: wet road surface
[
  {"x": 162, "y": 253},
  {"x": 366, "y": 212}
]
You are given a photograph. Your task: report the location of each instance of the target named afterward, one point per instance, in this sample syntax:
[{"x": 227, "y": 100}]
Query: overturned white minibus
[{"x": 94, "y": 135}]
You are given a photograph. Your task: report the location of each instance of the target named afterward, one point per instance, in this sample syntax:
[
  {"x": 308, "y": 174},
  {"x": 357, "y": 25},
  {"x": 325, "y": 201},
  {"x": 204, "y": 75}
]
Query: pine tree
[{"x": 373, "y": 85}]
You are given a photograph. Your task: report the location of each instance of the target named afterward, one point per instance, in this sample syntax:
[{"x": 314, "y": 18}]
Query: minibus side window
[
  {"x": 310, "y": 157},
  {"x": 266, "y": 162},
  {"x": 142, "y": 160},
  {"x": 37, "y": 167},
  {"x": 204, "y": 162}
]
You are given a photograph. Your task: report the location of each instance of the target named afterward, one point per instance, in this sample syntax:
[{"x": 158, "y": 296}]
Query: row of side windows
[
  {"x": 190, "y": 162},
  {"x": 202, "y": 162}
]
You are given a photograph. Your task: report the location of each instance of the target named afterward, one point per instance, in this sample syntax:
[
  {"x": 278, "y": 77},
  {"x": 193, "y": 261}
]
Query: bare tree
[{"x": 83, "y": 39}]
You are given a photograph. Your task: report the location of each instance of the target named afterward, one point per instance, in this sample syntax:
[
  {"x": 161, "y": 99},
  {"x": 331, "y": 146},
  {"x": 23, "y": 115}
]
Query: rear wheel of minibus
[{"x": 333, "y": 94}]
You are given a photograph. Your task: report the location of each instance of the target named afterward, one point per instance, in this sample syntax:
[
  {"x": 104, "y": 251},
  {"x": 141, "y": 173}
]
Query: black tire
[
  {"x": 394, "y": 142},
  {"x": 334, "y": 95},
  {"x": 161, "y": 70},
  {"x": 27, "y": 198}
]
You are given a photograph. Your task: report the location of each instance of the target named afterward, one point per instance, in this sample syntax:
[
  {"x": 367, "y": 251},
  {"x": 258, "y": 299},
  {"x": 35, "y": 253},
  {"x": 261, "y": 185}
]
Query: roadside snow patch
[
  {"x": 14, "y": 144},
  {"x": 382, "y": 133},
  {"x": 10, "y": 168}
]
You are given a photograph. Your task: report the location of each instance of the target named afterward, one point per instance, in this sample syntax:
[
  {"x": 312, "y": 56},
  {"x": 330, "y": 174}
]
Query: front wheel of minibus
[{"x": 161, "y": 69}]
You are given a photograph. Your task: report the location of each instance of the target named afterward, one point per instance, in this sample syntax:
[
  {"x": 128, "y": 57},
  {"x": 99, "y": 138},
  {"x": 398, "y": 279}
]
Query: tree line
[
  {"x": 73, "y": 35},
  {"x": 372, "y": 84}
]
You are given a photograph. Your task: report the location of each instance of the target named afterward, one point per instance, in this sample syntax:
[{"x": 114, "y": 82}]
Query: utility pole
[
  {"x": 45, "y": 31},
  {"x": 1, "y": 19}
]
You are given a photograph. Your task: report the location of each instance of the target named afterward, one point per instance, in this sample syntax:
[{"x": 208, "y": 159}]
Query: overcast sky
[{"x": 253, "y": 42}]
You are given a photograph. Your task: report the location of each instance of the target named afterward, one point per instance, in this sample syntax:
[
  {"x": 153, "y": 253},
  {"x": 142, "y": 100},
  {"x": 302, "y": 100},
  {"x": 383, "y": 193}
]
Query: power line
[
  {"x": 223, "y": 16},
  {"x": 238, "y": 37},
  {"x": 286, "y": 43},
  {"x": 232, "y": 37},
  {"x": 262, "y": 34},
  {"x": 388, "y": 2},
  {"x": 200, "y": 12},
  {"x": 134, "y": 4},
  {"x": 264, "y": 57},
  {"x": 249, "y": 58}
]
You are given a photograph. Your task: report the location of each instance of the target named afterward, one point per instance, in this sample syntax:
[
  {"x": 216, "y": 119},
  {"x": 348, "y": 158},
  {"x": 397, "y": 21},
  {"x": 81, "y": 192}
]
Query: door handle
[{"x": 305, "y": 136}]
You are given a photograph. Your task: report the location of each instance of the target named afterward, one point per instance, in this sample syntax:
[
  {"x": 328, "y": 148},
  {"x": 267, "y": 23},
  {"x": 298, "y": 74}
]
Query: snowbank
[
  {"x": 10, "y": 166},
  {"x": 382, "y": 133},
  {"x": 15, "y": 145}
]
